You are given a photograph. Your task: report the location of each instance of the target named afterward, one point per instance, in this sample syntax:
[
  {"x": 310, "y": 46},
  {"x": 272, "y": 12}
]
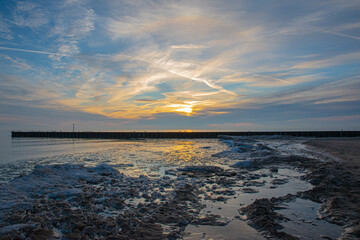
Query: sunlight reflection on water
[{"x": 133, "y": 157}]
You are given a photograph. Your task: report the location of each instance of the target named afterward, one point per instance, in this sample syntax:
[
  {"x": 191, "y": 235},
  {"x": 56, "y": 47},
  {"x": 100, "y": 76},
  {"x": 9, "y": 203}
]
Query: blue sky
[{"x": 175, "y": 65}]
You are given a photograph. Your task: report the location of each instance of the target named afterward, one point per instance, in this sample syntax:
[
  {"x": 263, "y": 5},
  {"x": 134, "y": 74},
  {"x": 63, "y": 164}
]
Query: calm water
[{"x": 134, "y": 157}]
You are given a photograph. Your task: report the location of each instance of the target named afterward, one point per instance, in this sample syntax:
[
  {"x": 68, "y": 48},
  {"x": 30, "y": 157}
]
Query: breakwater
[{"x": 138, "y": 135}]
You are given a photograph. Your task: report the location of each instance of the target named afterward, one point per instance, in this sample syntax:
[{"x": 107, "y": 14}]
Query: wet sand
[
  {"x": 345, "y": 150},
  {"x": 339, "y": 186},
  {"x": 332, "y": 167}
]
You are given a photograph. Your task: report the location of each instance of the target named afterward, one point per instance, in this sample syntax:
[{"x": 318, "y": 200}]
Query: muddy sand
[
  {"x": 347, "y": 151},
  {"x": 333, "y": 169},
  {"x": 338, "y": 182},
  {"x": 264, "y": 183}
]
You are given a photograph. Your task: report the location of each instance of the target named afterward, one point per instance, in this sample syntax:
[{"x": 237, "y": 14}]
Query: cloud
[
  {"x": 164, "y": 20},
  {"x": 178, "y": 82},
  {"x": 161, "y": 75},
  {"x": 8, "y": 118},
  {"x": 71, "y": 25},
  {"x": 336, "y": 100},
  {"x": 3, "y": 26},
  {"x": 332, "y": 118},
  {"x": 330, "y": 92},
  {"x": 68, "y": 49},
  {"x": 17, "y": 62},
  {"x": 333, "y": 61},
  {"x": 145, "y": 100},
  {"x": 20, "y": 119},
  {"x": 304, "y": 24},
  {"x": 5, "y": 30},
  {"x": 186, "y": 70},
  {"x": 19, "y": 91},
  {"x": 28, "y": 14},
  {"x": 338, "y": 118},
  {"x": 149, "y": 59},
  {"x": 346, "y": 26},
  {"x": 188, "y": 46},
  {"x": 232, "y": 126},
  {"x": 83, "y": 25},
  {"x": 270, "y": 80},
  {"x": 121, "y": 100},
  {"x": 341, "y": 34}
]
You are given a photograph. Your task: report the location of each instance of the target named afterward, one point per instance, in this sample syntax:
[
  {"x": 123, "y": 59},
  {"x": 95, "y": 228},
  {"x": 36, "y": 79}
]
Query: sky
[{"x": 127, "y": 65}]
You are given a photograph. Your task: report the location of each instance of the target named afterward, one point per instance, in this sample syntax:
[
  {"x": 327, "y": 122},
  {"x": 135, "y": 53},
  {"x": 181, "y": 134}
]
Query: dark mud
[
  {"x": 74, "y": 202},
  {"x": 261, "y": 215},
  {"x": 77, "y": 202}
]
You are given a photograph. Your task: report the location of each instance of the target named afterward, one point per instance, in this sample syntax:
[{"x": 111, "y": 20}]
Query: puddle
[
  {"x": 236, "y": 229},
  {"x": 304, "y": 222},
  {"x": 263, "y": 188}
]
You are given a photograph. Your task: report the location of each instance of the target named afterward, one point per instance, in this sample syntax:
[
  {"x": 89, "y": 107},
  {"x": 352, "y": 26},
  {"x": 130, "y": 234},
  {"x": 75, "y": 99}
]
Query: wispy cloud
[
  {"x": 331, "y": 118},
  {"x": 69, "y": 31},
  {"x": 336, "y": 91},
  {"x": 5, "y": 32},
  {"x": 28, "y": 14},
  {"x": 233, "y": 126},
  {"x": 187, "y": 46},
  {"x": 16, "y": 62},
  {"x": 353, "y": 57},
  {"x": 341, "y": 34}
]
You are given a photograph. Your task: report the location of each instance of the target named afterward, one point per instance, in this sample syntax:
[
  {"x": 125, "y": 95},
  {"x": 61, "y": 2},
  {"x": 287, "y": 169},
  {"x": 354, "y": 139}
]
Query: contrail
[
  {"x": 274, "y": 78},
  {"x": 341, "y": 34},
  {"x": 214, "y": 86},
  {"x": 161, "y": 63},
  {"x": 32, "y": 51}
]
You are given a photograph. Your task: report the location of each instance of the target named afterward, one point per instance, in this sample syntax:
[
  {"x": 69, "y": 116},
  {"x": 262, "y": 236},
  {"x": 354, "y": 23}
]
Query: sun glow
[
  {"x": 187, "y": 109},
  {"x": 182, "y": 108}
]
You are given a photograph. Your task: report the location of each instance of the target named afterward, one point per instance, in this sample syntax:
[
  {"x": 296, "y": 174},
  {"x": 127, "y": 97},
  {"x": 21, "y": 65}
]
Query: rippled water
[{"x": 134, "y": 157}]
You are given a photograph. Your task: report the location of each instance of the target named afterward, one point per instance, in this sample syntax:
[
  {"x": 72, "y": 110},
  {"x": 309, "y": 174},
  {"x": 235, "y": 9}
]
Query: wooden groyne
[{"x": 138, "y": 135}]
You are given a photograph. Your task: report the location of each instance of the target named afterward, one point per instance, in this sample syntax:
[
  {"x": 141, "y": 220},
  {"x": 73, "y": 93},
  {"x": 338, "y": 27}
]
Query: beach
[
  {"x": 255, "y": 188},
  {"x": 346, "y": 151},
  {"x": 342, "y": 192}
]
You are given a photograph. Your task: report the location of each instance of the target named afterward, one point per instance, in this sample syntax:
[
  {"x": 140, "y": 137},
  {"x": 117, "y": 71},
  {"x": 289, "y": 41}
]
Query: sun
[
  {"x": 181, "y": 108},
  {"x": 186, "y": 109}
]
